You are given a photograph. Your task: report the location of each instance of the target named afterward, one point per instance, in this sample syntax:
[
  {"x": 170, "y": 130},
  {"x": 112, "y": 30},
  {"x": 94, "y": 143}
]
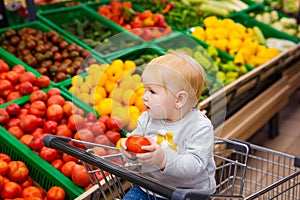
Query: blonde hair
[{"x": 177, "y": 71}]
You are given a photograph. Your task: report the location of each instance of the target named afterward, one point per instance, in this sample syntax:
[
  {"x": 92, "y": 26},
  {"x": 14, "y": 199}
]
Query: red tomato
[
  {"x": 13, "y": 77},
  {"x": 25, "y": 88},
  {"x": 48, "y": 154},
  {"x": 53, "y": 91},
  {"x": 27, "y": 183},
  {"x": 27, "y": 139},
  {"x": 86, "y": 135},
  {"x": 1, "y": 182},
  {"x": 113, "y": 136},
  {"x": 23, "y": 112},
  {"x": 20, "y": 69},
  {"x": 16, "y": 131},
  {"x": 3, "y": 66},
  {"x": 5, "y": 88},
  {"x": 13, "y": 109},
  {"x": 4, "y": 116},
  {"x": 68, "y": 108},
  {"x": 13, "y": 95},
  {"x": 50, "y": 126},
  {"x": 114, "y": 123},
  {"x": 102, "y": 139},
  {"x": 37, "y": 108},
  {"x": 76, "y": 137},
  {"x": 11, "y": 190},
  {"x": 67, "y": 168},
  {"x": 32, "y": 191},
  {"x": 57, "y": 164},
  {"x": 91, "y": 117},
  {"x": 66, "y": 158},
  {"x": 28, "y": 123},
  {"x": 56, "y": 193},
  {"x": 37, "y": 131},
  {"x": 56, "y": 99},
  {"x": 42, "y": 82},
  {"x": 28, "y": 76},
  {"x": 3, "y": 167},
  {"x": 54, "y": 112},
  {"x": 98, "y": 128},
  {"x": 76, "y": 122},
  {"x": 64, "y": 130},
  {"x": 38, "y": 95},
  {"x": 135, "y": 142},
  {"x": 103, "y": 118},
  {"x": 18, "y": 171},
  {"x": 5, "y": 157},
  {"x": 37, "y": 143},
  {"x": 13, "y": 122},
  {"x": 80, "y": 176}
]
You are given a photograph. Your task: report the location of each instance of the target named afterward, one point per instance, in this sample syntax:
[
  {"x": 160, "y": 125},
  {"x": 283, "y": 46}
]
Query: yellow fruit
[
  {"x": 134, "y": 110},
  {"x": 129, "y": 65},
  {"x": 118, "y": 63},
  {"x": 140, "y": 90},
  {"x": 85, "y": 97},
  {"x": 122, "y": 113},
  {"x": 129, "y": 97},
  {"x": 118, "y": 144},
  {"x": 85, "y": 88},
  {"x": 102, "y": 79},
  {"x": 97, "y": 98},
  {"x": 117, "y": 76},
  {"x": 71, "y": 89},
  {"x": 77, "y": 80},
  {"x": 101, "y": 91},
  {"x": 140, "y": 104},
  {"x": 117, "y": 94},
  {"x": 105, "y": 106},
  {"x": 110, "y": 85}
]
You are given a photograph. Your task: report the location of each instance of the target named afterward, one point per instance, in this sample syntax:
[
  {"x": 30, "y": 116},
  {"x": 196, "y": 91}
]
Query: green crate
[
  {"x": 38, "y": 25},
  {"x": 40, "y": 170},
  {"x": 61, "y": 4},
  {"x": 59, "y": 18}
]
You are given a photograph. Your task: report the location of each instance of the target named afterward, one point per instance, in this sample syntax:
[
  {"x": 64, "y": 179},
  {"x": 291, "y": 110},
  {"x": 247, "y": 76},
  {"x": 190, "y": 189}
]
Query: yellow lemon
[
  {"x": 129, "y": 97},
  {"x": 134, "y": 110},
  {"x": 117, "y": 94},
  {"x": 102, "y": 79},
  {"x": 110, "y": 85},
  {"x": 118, "y": 64},
  {"x": 71, "y": 89},
  {"x": 105, "y": 106},
  {"x": 85, "y": 97},
  {"x": 97, "y": 98},
  {"x": 85, "y": 88},
  {"x": 140, "y": 104},
  {"x": 101, "y": 91}
]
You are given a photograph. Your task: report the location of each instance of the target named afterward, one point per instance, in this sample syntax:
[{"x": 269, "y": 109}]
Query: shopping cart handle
[
  {"x": 180, "y": 194},
  {"x": 48, "y": 139}
]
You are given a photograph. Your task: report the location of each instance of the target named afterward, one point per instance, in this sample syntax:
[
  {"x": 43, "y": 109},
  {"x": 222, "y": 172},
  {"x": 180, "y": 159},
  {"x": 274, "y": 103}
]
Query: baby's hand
[{"x": 155, "y": 156}]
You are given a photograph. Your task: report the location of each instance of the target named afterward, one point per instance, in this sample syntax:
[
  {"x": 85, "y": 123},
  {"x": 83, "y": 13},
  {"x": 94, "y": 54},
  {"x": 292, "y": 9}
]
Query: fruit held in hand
[{"x": 134, "y": 143}]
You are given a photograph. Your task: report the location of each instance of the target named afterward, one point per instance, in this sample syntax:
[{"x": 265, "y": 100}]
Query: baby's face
[{"x": 159, "y": 101}]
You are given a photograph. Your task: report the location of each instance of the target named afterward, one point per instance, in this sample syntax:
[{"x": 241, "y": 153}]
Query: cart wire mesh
[{"x": 244, "y": 171}]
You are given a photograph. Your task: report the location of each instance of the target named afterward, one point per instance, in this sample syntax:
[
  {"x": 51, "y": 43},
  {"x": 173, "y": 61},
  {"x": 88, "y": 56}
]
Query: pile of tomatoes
[
  {"x": 50, "y": 113},
  {"x": 17, "y": 82},
  {"x": 15, "y": 183}
]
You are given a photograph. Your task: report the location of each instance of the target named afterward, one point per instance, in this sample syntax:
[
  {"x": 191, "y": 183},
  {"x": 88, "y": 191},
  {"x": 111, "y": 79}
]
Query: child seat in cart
[{"x": 244, "y": 171}]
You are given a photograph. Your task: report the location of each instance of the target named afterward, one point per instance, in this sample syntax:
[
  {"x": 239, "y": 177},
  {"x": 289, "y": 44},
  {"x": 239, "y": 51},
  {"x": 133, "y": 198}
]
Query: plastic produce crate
[
  {"x": 38, "y": 25},
  {"x": 83, "y": 26},
  {"x": 40, "y": 171},
  {"x": 61, "y": 4}
]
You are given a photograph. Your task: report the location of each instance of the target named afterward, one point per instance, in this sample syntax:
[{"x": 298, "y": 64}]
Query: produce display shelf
[{"x": 40, "y": 170}]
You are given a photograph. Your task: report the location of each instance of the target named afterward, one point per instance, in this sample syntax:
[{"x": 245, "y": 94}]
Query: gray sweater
[{"x": 188, "y": 144}]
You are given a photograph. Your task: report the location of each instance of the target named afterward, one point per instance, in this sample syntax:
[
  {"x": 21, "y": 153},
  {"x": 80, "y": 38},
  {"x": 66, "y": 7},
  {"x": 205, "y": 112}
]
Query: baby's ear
[{"x": 181, "y": 99}]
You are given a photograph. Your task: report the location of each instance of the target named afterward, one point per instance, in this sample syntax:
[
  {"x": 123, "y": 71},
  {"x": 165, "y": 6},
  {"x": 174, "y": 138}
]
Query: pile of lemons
[{"x": 112, "y": 89}]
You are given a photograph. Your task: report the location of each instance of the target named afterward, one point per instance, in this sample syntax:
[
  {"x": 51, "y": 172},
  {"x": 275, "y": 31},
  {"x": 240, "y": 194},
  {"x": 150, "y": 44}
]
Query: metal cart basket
[{"x": 244, "y": 171}]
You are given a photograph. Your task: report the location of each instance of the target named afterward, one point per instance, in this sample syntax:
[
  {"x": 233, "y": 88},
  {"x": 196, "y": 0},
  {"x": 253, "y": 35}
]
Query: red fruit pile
[
  {"x": 16, "y": 82},
  {"x": 49, "y": 113},
  {"x": 15, "y": 182}
]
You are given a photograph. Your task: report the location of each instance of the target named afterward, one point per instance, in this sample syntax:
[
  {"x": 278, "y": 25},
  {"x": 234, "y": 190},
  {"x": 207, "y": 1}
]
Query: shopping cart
[{"x": 244, "y": 171}]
